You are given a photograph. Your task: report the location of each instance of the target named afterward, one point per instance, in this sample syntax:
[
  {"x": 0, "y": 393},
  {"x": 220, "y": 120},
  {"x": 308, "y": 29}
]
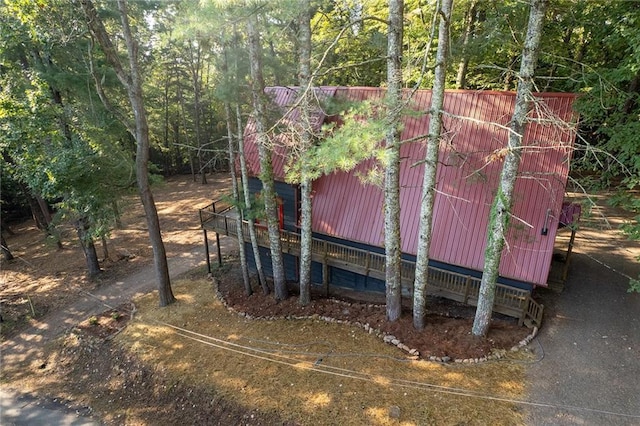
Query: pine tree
[
  {"x": 430, "y": 168},
  {"x": 392, "y": 167},
  {"x": 502, "y": 203}
]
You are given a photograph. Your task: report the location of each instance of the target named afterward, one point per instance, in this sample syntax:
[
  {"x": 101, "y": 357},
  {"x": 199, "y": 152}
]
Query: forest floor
[{"x": 135, "y": 363}]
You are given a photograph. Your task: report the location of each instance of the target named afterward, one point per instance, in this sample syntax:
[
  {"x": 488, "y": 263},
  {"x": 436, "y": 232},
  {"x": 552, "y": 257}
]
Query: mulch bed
[{"x": 447, "y": 333}]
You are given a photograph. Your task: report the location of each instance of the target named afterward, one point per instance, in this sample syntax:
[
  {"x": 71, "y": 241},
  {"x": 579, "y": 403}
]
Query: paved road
[
  {"x": 590, "y": 347},
  {"x": 23, "y": 409}
]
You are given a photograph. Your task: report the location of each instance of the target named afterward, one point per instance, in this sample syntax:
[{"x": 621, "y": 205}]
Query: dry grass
[
  {"x": 313, "y": 372},
  {"x": 263, "y": 366}
]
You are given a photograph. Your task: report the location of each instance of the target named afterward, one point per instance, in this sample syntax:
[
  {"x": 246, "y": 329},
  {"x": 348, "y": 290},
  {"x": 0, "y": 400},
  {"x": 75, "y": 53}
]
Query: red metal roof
[
  {"x": 476, "y": 125},
  {"x": 284, "y": 114}
]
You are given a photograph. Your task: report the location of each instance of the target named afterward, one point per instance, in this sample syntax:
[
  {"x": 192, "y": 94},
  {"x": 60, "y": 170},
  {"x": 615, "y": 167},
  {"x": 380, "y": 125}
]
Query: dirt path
[
  {"x": 589, "y": 346},
  {"x": 55, "y": 279},
  {"x": 27, "y": 344}
]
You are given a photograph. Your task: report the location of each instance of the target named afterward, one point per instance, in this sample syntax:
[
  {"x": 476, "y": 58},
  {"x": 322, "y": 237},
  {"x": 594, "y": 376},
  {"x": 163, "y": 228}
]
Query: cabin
[{"x": 348, "y": 240}]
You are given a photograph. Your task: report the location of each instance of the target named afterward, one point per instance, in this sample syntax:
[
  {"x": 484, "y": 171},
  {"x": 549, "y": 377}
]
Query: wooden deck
[{"x": 222, "y": 219}]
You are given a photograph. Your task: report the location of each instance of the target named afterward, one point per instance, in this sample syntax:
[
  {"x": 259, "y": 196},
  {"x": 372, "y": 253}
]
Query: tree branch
[
  {"x": 99, "y": 32},
  {"x": 103, "y": 97}
]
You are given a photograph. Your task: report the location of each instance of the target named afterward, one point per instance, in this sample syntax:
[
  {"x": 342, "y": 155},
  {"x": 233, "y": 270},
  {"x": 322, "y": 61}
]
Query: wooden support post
[
  {"x": 206, "y": 250},
  {"x": 565, "y": 269},
  {"x": 325, "y": 269},
  {"x": 467, "y": 285},
  {"x": 367, "y": 263},
  {"x": 219, "y": 251},
  {"x": 523, "y": 312},
  {"x": 325, "y": 277}
]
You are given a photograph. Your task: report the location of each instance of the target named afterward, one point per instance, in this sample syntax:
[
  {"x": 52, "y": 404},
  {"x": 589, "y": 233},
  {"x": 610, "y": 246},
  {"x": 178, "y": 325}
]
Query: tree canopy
[{"x": 62, "y": 142}]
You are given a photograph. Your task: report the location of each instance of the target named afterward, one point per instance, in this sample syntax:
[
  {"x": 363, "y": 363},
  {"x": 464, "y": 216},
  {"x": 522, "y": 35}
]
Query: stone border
[{"x": 386, "y": 338}]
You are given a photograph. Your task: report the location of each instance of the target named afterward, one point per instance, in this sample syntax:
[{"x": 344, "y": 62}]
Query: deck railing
[{"x": 463, "y": 288}]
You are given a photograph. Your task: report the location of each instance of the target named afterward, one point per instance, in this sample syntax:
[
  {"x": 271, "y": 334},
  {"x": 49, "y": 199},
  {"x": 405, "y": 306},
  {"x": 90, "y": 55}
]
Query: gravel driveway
[{"x": 589, "y": 345}]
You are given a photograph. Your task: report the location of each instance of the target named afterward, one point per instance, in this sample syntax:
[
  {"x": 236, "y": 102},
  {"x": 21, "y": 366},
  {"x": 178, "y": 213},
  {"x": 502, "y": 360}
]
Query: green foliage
[
  {"x": 353, "y": 36},
  {"x": 256, "y": 212},
  {"x": 343, "y": 146},
  {"x": 54, "y": 139}
]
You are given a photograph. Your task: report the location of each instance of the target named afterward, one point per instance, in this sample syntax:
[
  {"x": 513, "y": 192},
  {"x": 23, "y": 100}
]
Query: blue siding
[
  {"x": 288, "y": 194},
  {"x": 351, "y": 280},
  {"x": 290, "y": 263},
  {"x": 341, "y": 278},
  {"x": 373, "y": 284}
]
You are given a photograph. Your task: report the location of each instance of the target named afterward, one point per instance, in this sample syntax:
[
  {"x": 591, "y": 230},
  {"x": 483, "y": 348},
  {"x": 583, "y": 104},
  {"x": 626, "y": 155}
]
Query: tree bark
[
  {"x": 36, "y": 211},
  {"x": 116, "y": 214},
  {"x": 142, "y": 162},
  {"x": 6, "y": 253},
  {"x": 469, "y": 30},
  {"x": 430, "y": 168},
  {"x": 194, "y": 66},
  {"x": 88, "y": 247},
  {"x": 236, "y": 198},
  {"x": 244, "y": 177},
  {"x": 304, "y": 78},
  {"x": 133, "y": 84},
  {"x": 392, "y": 170},
  {"x": 266, "y": 166},
  {"x": 48, "y": 220},
  {"x": 501, "y": 208}
]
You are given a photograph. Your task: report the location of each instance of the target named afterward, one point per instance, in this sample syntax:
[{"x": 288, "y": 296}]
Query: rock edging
[{"x": 387, "y": 338}]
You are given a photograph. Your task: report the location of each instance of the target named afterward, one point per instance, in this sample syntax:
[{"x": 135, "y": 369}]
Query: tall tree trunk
[
  {"x": 48, "y": 220},
  {"x": 88, "y": 247},
  {"x": 392, "y": 245},
  {"x": 6, "y": 253},
  {"x": 133, "y": 84},
  {"x": 36, "y": 212},
  {"x": 501, "y": 208},
  {"x": 234, "y": 180},
  {"x": 105, "y": 248},
  {"x": 266, "y": 166},
  {"x": 304, "y": 78},
  {"x": 116, "y": 214},
  {"x": 430, "y": 168},
  {"x": 244, "y": 178},
  {"x": 469, "y": 30},
  {"x": 142, "y": 162},
  {"x": 166, "y": 156},
  {"x": 236, "y": 198},
  {"x": 194, "y": 66}
]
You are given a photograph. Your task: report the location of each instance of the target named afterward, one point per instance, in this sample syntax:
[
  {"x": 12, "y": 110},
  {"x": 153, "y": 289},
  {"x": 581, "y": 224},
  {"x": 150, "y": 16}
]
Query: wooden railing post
[
  {"x": 467, "y": 286},
  {"x": 206, "y": 251},
  {"x": 367, "y": 263},
  {"x": 525, "y": 310},
  {"x": 325, "y": 269},
  {"x": 219, "y": 250}
]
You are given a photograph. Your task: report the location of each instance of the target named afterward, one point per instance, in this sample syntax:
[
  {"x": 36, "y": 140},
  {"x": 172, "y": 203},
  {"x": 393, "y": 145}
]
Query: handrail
[{"x": 464, "y": 288}]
